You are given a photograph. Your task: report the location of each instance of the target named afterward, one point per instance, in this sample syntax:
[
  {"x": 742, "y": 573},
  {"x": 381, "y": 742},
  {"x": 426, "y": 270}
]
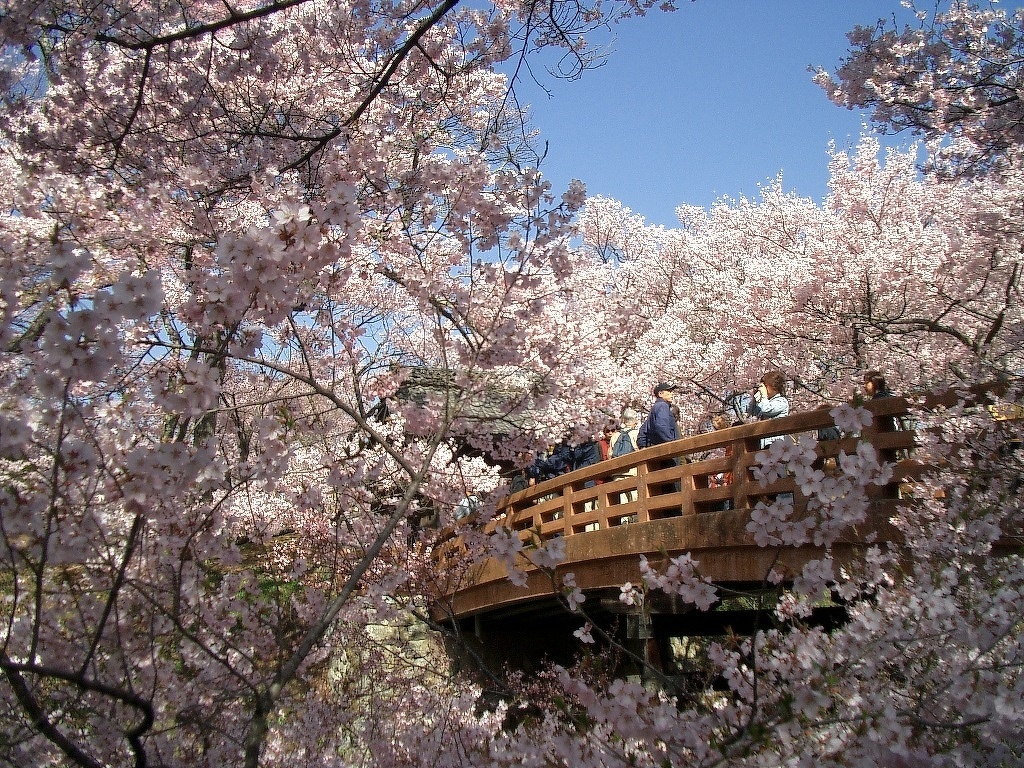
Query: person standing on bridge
[
  {"x": 661, "y": 426},
  {"x": 768, "y": 402},
  {"x": 874, "y": 386},
  {"x": 769, "y": 399}
]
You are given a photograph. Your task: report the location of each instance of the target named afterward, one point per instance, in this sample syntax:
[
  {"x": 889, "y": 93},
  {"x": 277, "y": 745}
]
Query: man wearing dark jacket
[{"x": 660, "y": 426}]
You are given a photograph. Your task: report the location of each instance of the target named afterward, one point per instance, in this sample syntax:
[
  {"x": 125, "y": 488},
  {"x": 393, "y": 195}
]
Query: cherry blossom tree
[
  {"x": 230, "y": 233},
  {"x": 909, "y": 274},
  {"x": 926, "y": 670},
  {"x": 237, "y": 237},
  {"x": 916, "y": 273},
  {"x": 954, "y": 78}
]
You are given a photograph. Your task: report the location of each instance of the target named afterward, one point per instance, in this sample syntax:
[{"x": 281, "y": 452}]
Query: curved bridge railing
[{"x": 663, "y": 501}]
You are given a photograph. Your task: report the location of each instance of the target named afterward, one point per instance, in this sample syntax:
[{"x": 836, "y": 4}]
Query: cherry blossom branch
[
  {"x": 265, "y": 702},
  {"x": 39, "y": 718},
  {"x": 83, "y": 682},
  {"x": 114, "y": 590},
  {"x": 188, "y": 32}
]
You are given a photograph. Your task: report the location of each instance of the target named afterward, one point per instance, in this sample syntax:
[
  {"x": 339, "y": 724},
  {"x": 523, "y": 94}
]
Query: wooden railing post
[
  {"x": 567, "y": 494},
  {"x": 643, "y": 493},
  {"x": 739, "y": 473},
  {"x": 685, "y": 487}
]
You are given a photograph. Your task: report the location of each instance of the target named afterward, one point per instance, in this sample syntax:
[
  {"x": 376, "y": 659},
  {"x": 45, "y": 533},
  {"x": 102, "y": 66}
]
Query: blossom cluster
[{"x": 680, "y": 578}]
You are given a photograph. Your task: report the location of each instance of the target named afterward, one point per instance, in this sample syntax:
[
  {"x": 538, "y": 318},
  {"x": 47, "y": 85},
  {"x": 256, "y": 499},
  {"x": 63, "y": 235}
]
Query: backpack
[{"x": 623, "y": 444}]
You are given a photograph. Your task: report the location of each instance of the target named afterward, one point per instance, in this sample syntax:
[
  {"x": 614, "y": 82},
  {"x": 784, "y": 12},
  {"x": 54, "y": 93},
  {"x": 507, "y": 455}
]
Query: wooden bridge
[{"x": 661, "y": 502}]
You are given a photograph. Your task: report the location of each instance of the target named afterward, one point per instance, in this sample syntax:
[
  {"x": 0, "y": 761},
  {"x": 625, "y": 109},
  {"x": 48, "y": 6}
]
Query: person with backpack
[
  {"x": 661, "y": 427},
  {"x": 623, "y": 442}
]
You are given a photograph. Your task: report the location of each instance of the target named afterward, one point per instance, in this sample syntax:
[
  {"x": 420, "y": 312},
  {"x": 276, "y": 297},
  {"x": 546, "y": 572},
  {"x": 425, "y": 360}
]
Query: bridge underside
[
  {"x": 603, "y": 560},
  {"x": 526, "y": 635},
  {"x": 503, "y": 624}
]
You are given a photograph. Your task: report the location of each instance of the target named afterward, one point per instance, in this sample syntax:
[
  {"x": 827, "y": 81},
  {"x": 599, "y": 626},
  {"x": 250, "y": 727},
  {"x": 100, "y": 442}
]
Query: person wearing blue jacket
[
  {"x": 557, "y": 461},
  {"x": 661, "y": 426}
]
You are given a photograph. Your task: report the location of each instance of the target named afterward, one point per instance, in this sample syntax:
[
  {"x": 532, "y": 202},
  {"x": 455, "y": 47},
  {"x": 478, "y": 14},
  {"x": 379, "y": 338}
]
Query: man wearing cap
[{"x": 660, "y": 426}]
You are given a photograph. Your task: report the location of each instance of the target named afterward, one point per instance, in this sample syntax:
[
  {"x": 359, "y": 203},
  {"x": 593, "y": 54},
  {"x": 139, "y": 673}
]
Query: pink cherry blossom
[
  {"x": 584, "y": 633},
  {"x": 851, "y": 420}
]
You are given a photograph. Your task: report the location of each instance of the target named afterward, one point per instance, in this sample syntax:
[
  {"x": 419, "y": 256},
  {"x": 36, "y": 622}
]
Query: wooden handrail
[
  {"x": 675, "y": 478},
  {"x": 601, "y": 510}
]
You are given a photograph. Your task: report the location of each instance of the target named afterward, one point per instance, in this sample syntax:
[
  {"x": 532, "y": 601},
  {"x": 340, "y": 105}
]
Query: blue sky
[{"x": 711, "y": 100}]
